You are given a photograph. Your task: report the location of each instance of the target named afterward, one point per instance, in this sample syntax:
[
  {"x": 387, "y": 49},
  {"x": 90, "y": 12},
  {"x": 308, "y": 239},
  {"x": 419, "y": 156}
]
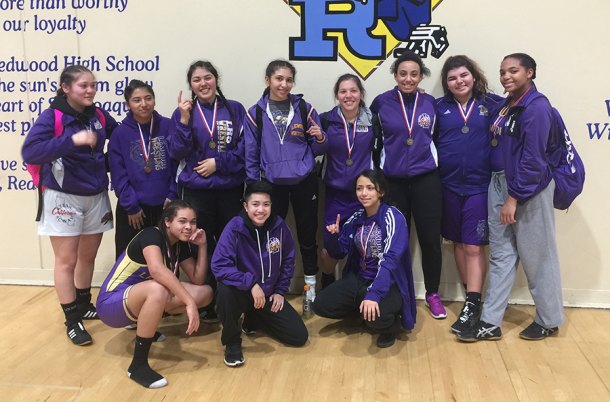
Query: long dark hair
[{"x": 275, "y": 65}]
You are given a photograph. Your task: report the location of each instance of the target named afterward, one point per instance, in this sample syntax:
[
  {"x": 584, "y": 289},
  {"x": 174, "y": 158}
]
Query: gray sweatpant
[{"x": 532, "y": 240}]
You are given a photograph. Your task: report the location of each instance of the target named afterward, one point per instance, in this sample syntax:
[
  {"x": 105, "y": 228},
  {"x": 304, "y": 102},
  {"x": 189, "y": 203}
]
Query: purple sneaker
[{"x": 433, "y": 302}]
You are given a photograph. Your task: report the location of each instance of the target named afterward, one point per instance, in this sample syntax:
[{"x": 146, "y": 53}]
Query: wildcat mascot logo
[{"x": 365, "y": 32}]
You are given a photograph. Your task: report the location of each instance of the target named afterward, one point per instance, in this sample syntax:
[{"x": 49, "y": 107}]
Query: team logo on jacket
[
  {"x": 364, "y": 33},
  {"x": 97, "y": 125},
  {"x": 424, "y": 120},
  {"x": 483, "y": 111},
  {"x": 274, "y": 245}
]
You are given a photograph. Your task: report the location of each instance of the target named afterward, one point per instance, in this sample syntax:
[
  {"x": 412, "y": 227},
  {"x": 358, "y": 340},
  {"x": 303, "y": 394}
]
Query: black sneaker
[
  {"x": 468, "y": 317},
  {"x": 88, "y": 312},
  {"x": 234, "y": 357},
  {"x": 481, "y": 331},
  {"x": 78, "y": 334},
  {"x": 386, "y": 340},
  {"x": 248, "y": 327},
  {"x": 536, "y": 332},
  {"x": 209, "y": 316}
]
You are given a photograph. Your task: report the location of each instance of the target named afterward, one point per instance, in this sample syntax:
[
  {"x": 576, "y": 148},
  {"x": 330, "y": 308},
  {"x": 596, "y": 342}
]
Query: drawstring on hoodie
[{"x": 260, "y": 256}]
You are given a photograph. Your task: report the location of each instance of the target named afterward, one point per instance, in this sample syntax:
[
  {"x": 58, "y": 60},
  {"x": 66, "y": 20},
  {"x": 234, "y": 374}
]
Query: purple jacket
[
  {"x": 464, "y": 158},
  {"x": 189, "y": 144},
  {"x": 397, "y": 158},
  {"x": 526, "y": 135},
  {"x": 132, "y": 185},
  {"x": 394, "y": 262},
  {"x": 245, "y": 256},
  {"x": 281, "y": 162},
  {"x": 336, "y": 172},
  {"x": 68, "y": 168}
]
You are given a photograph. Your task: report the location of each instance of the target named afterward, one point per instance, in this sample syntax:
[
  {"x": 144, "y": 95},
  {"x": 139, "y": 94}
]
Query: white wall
[{"x": 569, "y": 43}]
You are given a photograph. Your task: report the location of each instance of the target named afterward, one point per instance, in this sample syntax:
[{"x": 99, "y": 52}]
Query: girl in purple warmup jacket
[
  {"x": 377, "y": 279},
  {"x": 283, "y": 138},
  {"x": 68, "y": 142}
]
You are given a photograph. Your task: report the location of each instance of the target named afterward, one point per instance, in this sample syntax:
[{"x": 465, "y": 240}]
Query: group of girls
[{"x": 432, "y": 159}]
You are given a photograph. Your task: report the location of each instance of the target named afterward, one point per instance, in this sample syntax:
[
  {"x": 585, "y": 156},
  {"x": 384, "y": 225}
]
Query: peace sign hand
[{"x": 185, "y": 106}]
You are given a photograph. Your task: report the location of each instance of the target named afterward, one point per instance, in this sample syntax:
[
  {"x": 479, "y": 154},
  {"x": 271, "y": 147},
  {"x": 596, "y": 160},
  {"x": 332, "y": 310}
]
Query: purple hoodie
[
  {"x": 286, "y": 161},
  {"x": 190, "y": 144},
  {"x": 337, "y": 173},
  {"x": 245, "y": 255},
  {"x": 132, "y": 185},
  {"x": 526, "y": 134},
  {"x": 68, "y": 168},
  {"x": 398, "y": 159},
  {"x": 394, "y": 262},
  {"x": 464, "y": 158}
]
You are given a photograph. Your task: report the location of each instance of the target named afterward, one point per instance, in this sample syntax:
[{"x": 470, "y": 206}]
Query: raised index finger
[
  {"x": 338, "y": 220},
  {"x": 313, "y": 121},
  {"x": 180, "y": 97}
]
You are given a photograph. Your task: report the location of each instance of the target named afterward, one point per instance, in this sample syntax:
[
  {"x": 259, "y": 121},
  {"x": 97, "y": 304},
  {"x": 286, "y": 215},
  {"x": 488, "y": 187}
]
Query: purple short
[
  {"x": 112, "y": 308},
  {"x": 336, "y": 202},
  {"x": 465, "y": 218}
]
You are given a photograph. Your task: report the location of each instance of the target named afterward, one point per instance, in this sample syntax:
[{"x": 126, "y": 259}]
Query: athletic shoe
[
  {"x": 385, "y": 340},
  {"x": 131, "y": 326},
  {"x": 468, "y": 317},
  {"x": 209, "y": 316},
  {"x": 159, "y": 337},
  {"x": 536, "y": 332},
  {"x": 88, "y": 312},
  {"x": 248, "y": 327},
  {"x": 481, "y": 331},
  {"x": 433, "y": 302},
  {"x": 234, "y": 357},
  {"x": 78, "y": 334}
]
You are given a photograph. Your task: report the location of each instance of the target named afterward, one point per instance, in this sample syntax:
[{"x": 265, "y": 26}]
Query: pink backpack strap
[
  {"x": 100, "y": 116},
  {"x": 59, "y": 125}
]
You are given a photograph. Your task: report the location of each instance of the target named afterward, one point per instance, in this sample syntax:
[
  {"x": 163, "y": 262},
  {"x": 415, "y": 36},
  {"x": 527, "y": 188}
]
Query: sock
[
  {"x": 465, "y": 287},
  {"x": 139, "y": 370},
  {"x": 474, "y": 298},
  {"x": 71, "y": 312},
  {"x": 83, "y": 297}
]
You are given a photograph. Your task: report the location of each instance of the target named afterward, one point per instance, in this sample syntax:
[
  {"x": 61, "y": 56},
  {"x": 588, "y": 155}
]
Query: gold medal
[
  {"x": 409, "y": 141},
  {"x": 212, "y": 144},
  {"x": 349, "y": 162},
  {"x": 494, "y": 142},
  {"x": 147, "y": 168}
]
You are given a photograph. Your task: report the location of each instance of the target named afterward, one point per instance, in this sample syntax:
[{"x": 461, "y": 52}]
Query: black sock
[
  {"x": 465, "y": 287},
  {"x": 83, "y": 297},
  {"x": 139, "y": 370},
  {"x": 473, "y": 297},
  {"x": 71, "y": 312}
]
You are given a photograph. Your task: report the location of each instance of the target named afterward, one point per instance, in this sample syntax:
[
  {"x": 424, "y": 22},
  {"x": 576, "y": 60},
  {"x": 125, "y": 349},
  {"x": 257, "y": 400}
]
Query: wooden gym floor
[{"x": 339, "y": 363}]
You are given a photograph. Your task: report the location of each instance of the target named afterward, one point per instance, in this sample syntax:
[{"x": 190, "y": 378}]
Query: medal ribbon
[
  {"x": 468, "y": 110},
  {"x": 404, "y": 112},
  {"x": 346, "y": 131},
  {"x": 146, "y": 147},
  {"x": 365, "y": 243},
  {"x": 171, "y": 260},
  {"x": 496, "y": 127},
  {"x": 205, "y": 122}
]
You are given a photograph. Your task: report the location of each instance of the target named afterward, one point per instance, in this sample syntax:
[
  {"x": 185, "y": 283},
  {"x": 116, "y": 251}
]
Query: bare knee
[
  {"x": 203, "y": 295},
  {"x": 472, "y": 251}
]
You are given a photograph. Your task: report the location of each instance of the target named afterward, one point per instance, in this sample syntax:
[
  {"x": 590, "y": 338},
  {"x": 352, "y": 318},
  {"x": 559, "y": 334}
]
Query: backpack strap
[
  {"x": 304, "y": 117},
  {"x": 58, "y": 129},
  {"x": 100, "y": 116},
  {"x": 259, "y": 123}
]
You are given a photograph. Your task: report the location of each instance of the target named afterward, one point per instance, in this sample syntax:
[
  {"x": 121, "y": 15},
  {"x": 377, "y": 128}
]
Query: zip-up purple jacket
[
  {"x": 189, "y": 144},
  {"x": 337, "y": 173},
  {"x": 394, "y": 262},
  {"x": 397, "y": 158},
  {"x": 132, "y": 185},
  {"x": 245, "y": 256},
  {"x": 526, "y": 135},
  {"x": 464, "y": 158},
  {"x": 286, "y": 161},
  {"x": 68, "y": 168}
]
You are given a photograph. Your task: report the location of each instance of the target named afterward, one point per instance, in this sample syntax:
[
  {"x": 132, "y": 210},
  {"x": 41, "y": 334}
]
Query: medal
[
  {"x": 212, "y": 144},
  {"x": 465, "y": 114},
  {"x": 365, "y": 243},
  {"x": 146, "y": 147},
  {"x": 404, "y": 114},
  {"x": 348, "y": 145},
  {"x": 494, "y": 142}
]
